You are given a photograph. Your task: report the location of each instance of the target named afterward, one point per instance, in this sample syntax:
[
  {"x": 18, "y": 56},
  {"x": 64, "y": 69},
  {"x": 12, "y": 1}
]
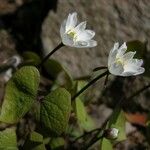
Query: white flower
[
  {"x": 76, "y": 35},
  {"x": 121, "y": 63}
]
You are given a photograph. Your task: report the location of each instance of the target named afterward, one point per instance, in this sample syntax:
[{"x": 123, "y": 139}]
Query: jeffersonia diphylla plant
[{"x": 52, "y": 115}]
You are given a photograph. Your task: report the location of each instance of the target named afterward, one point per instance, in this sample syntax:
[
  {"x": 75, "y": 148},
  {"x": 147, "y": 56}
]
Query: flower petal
[
  {"x": 126, "y": 74},
  {"x": 122, "y": 49},
  {"x": 113, "y": 53},
  {"x": 85, "y": 35},
  {"x": 128, "y": 56},
  {"x": 85, "y": 44},
  {"x": 136, "y": 71},
  {"x": 116, "y": 69},
  {"x": 66, "y": 40},
  {"x": 134, "y": 66},
  {"x": 92, "y": 43},
  {"x": 71, "y": 21},
  {"x": 81, "y": 26},
  {"x": 63, "y": 28},
  {"x": 137, "y": 62},
  {"x": 140, "y": 70},
  {"x": 116, "y": 46}
]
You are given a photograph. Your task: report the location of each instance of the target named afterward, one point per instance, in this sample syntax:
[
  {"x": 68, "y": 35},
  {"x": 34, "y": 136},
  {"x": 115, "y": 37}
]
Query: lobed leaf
[
  {"x": 20, "y": 94},
  {"x": 55, "y": 111},
  {"x": 8, "y": 139}
]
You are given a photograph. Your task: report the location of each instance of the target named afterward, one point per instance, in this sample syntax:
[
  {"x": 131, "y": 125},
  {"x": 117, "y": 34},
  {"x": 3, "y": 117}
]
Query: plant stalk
[
  {"x": 51, "y": 53},
  {"x": 89, "y": 84}
]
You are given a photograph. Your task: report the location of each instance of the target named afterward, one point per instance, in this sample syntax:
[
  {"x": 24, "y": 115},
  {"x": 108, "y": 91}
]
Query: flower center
[
  {"x": 120, "y": 61},
  {"x": 72, "y": 34}
]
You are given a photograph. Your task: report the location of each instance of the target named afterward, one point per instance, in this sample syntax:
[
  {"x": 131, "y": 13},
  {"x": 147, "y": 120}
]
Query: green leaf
[
  {"x": 84, "y": 120},
  {"x": 89, "y": 124},
  {"x": 55, "y": 111},
  {"x": 118, "y": 121},
  {"x": 56, "y": 71},
  {"x": 57, "y": 143},
  {"x": 80, "y": 85},
  {"x": 106, "y": 145},
  {"x": 80, "y": 111},
  {"x": 31, "y": 58},
  {"x": 8, "y": 139},
  {"x": 36, "y": 137},
  {"x": 73, "y": 131},
  {"x": 35, "y": 141},
  {"x": 20, "y": 94},
  {"x": 53, "y": 68}
]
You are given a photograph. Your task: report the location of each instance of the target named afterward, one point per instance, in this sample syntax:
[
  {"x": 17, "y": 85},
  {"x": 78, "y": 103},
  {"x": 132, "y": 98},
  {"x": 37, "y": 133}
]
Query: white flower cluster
[{"x": 120, "y": 63}]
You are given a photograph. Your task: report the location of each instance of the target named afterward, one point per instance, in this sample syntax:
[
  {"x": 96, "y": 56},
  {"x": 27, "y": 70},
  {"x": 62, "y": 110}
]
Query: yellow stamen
[
  {"x": 72, "y": 34},
  {"x": 120, "y": 61}
]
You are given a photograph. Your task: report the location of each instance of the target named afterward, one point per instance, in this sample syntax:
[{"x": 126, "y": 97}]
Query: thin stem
[
  {"x": 96, "y": 137},
  {"x": 51, "y": 53},
  {"x": 86, "y": 133},
  {"x": 99, "y": 68},
  {"x": 106, "y": 80},
  {"x": 89, "y": 84},
  {"x": 93, "y": 141}
]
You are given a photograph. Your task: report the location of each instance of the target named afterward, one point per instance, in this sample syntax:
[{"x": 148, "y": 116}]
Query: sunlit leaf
[
  {"x": 84, "y": 120},
  {"x": 106, "y": 145},
  {"x": 36, "y": 137},
  {"x": 80, "y": 85},
  {"x": 55, "y": 111},
  {"x": 8, "y": 139},
  {"x": 20, "y": 94},
  {"x": 80, "y": 110},
  {"x": 57, "y": 143}
]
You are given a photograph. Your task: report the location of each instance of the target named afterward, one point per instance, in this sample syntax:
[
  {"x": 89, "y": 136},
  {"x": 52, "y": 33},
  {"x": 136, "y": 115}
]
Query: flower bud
[{"x": 111, "y": 133}]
